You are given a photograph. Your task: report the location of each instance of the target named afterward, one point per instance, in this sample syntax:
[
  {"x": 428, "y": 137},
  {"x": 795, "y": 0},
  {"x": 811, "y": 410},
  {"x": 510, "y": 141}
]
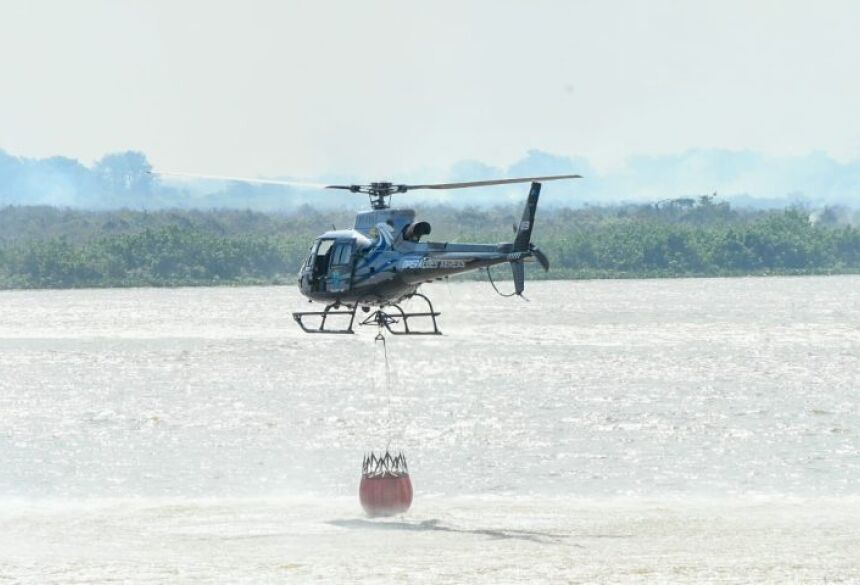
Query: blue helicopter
[{"x": 382, "y": 261}]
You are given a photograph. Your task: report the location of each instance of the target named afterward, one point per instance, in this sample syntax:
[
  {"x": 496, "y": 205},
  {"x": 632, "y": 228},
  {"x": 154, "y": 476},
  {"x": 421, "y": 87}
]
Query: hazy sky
[{"x": 374, "y": 89}]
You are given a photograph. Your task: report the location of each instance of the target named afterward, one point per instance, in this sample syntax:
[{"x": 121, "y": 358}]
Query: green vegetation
[{"x": 45, "y": 247}]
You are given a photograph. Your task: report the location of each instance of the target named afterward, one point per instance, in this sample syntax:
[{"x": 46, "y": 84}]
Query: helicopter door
[
  {"x": 319, "y": 261},
  {"x": 339, "y": 278}
]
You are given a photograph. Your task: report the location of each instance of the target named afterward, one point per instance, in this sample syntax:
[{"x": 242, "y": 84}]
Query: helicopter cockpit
[{"x": 330, "y": 264}]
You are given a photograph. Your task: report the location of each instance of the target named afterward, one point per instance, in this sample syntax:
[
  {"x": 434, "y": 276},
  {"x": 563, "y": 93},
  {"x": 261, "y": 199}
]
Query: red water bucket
[{"x": 385, "y": 487}]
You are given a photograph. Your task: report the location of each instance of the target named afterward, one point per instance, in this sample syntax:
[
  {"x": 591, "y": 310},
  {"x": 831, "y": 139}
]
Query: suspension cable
[
  {"x": 501, "y": 294},
  {"x": 380, "y": 337}
]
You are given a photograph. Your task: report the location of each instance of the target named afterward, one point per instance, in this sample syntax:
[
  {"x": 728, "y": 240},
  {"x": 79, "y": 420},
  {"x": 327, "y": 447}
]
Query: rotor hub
[{"x": 379, "y": 193}]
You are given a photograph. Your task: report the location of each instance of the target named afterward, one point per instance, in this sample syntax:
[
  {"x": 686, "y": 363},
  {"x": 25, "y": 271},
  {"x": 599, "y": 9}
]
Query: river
[{"x": 638, "y": 431}]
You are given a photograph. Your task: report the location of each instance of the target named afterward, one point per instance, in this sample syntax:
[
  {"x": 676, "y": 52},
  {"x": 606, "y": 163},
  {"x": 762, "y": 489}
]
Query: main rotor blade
[
  {"x": 240, "y": 179},
  {"x": 492, "y": 182}
]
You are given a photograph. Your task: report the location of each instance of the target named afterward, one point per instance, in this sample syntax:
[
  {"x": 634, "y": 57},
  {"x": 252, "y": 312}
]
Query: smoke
[
  {"x": 122, "y": 180},
  {"x": 117, "y": 180}
]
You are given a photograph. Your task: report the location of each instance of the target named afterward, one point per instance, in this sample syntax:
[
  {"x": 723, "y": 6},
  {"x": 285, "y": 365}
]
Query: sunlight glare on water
[{"x": 607, "y": 431}]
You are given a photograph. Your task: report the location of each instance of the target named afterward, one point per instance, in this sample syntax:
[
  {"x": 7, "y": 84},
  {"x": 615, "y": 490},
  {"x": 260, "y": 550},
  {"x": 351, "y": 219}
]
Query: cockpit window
[
  {"x": 323, "y": 247},
  {"x": 342, "y": 254}
]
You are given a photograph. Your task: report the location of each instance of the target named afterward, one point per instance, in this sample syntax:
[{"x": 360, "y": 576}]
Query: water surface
[{"x": 609, "y": 431}]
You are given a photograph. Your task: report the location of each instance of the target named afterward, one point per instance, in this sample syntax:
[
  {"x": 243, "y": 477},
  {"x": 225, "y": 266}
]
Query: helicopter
[{"x": 382, "y": 261}]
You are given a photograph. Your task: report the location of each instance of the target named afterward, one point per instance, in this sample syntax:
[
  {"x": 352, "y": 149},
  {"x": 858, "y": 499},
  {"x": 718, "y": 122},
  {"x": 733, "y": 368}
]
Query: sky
[{"x": 372, "y": 89}]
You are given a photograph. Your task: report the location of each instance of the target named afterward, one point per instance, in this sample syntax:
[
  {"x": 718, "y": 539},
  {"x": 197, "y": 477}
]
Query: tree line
[{"x": 46, "y": 247}]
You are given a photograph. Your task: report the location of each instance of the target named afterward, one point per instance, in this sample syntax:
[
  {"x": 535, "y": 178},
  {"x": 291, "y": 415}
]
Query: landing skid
[
  {"x": 329, "y": 311},
  {"x": 392, "y": 317}
]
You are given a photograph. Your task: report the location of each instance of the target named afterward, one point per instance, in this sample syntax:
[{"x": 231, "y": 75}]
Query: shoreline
[{"x": 503, "y": 276}]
